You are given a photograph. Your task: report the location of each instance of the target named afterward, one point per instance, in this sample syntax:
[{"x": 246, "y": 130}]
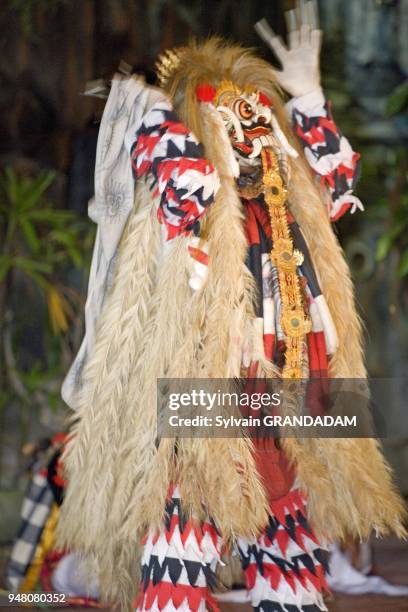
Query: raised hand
[{"x": 300, "y": 72}]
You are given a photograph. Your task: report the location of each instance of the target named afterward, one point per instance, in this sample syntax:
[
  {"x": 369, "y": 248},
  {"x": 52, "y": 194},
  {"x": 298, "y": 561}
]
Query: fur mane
[{"x": 118, "y": 476}]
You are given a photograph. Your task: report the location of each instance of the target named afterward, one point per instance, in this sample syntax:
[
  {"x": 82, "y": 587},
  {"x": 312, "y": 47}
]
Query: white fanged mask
[{"x": 250, "y": 122}]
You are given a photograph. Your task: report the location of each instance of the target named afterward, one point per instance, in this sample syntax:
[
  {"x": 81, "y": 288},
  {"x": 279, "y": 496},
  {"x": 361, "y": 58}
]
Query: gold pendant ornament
[
  {"x": 294, "y": 321},
  {"x": 273, "y": 183},
  {"x": 284, "y": 256}
]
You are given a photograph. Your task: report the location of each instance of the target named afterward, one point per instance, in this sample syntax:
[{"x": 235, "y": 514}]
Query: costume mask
[
  {"x": 247, "y": 116},
  {"x": 249, "y": 119}
]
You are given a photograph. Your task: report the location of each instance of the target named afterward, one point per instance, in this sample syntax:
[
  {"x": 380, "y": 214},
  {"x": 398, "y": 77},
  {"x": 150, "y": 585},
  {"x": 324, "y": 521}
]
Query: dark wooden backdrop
[{"x": 50, "y": 49}]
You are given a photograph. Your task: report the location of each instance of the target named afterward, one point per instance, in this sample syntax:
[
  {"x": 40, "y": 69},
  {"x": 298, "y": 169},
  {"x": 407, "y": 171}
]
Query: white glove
[{"x": 300, "y": 72}]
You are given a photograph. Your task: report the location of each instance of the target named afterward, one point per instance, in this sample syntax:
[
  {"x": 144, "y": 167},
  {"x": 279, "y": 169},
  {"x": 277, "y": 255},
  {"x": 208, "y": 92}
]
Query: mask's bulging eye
[{"x": 243, "y": 109}]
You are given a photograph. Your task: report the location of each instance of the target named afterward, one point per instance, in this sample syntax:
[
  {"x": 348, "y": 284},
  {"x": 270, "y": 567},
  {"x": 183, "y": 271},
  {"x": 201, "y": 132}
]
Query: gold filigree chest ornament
[{"x": 294, "y": 321}]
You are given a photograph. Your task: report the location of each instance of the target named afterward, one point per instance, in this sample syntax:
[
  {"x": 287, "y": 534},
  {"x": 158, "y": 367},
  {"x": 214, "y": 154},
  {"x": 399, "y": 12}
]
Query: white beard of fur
[
  {"x": 282, "y": 139},
  {"x": 232, "y": 165}
]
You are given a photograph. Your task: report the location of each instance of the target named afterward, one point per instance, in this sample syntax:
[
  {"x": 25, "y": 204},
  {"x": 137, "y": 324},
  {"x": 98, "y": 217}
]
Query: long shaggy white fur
[{"x": 153, "y": 326}]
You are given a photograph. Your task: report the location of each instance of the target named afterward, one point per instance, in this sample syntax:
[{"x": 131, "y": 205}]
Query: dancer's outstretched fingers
[
  {"x": 305, "y": 35},
  {"x": 316, "y": 37},
  {"x": 273, "y": 41}
]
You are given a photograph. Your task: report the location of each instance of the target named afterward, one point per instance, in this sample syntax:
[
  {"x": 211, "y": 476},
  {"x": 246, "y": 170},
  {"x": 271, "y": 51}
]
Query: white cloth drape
[{"x": 129, "y": 100}]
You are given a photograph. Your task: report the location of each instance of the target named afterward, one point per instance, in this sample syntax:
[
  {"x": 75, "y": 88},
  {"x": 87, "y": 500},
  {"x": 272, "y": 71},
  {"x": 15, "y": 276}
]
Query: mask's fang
[
  {"x": 257, "y": 148},
  {"x": 282, "y": 138}
]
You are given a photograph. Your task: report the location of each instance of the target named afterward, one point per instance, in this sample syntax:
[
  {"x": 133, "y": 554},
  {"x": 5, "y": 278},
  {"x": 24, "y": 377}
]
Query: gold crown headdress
[{"x": 167, "y": 63}]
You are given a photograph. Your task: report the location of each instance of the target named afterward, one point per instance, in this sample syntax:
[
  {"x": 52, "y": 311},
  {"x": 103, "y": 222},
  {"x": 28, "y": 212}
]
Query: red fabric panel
[{"x": 269, "y": 345}]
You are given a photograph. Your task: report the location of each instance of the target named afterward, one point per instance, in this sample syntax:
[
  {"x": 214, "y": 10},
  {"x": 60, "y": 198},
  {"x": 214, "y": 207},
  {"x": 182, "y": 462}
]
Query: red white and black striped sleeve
[
  {"x": 185, "y": 181},
  {"x": 327, "y": 151}
]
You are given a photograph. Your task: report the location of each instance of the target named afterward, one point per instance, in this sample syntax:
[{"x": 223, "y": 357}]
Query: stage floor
[{"x": 391, "y": 562}]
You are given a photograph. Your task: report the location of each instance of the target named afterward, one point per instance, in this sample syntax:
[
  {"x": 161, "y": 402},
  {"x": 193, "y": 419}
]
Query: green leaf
[
  {"x": 76, "y": 257},
  {"x": 5, "y": 397},
  {"x": 397, "y": 102},
  {"x": 6, "y": 263},
  {"x": 30, "y": 234},
  {"x": 10, "y": 184},
  {"x": 56, "y": 257},
  {"x": 386, "y": 241},
  {"x": 62, "y": 237},
  {"x": 35, "y": 189},
  {"x": 383, "y": 247},
  {"x": 26, "y": 264},
  {"x": 40, "y": 280},
  {"x": 68, "y": 239},
  {"x": 51, "y": 216},
  {"x": 403, "y": 264},
  {"x": 22, "y": 193}
]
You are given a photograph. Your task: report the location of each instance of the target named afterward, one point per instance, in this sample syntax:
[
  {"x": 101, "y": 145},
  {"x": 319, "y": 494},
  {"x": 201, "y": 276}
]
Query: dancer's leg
[
  {"x": 284, "y": 568},
  {"x": 178, "y": 564}
]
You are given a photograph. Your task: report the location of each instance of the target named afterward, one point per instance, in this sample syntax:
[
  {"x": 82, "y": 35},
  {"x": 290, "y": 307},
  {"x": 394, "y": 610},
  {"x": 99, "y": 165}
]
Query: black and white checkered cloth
[{"x": 35, "y": 511}]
